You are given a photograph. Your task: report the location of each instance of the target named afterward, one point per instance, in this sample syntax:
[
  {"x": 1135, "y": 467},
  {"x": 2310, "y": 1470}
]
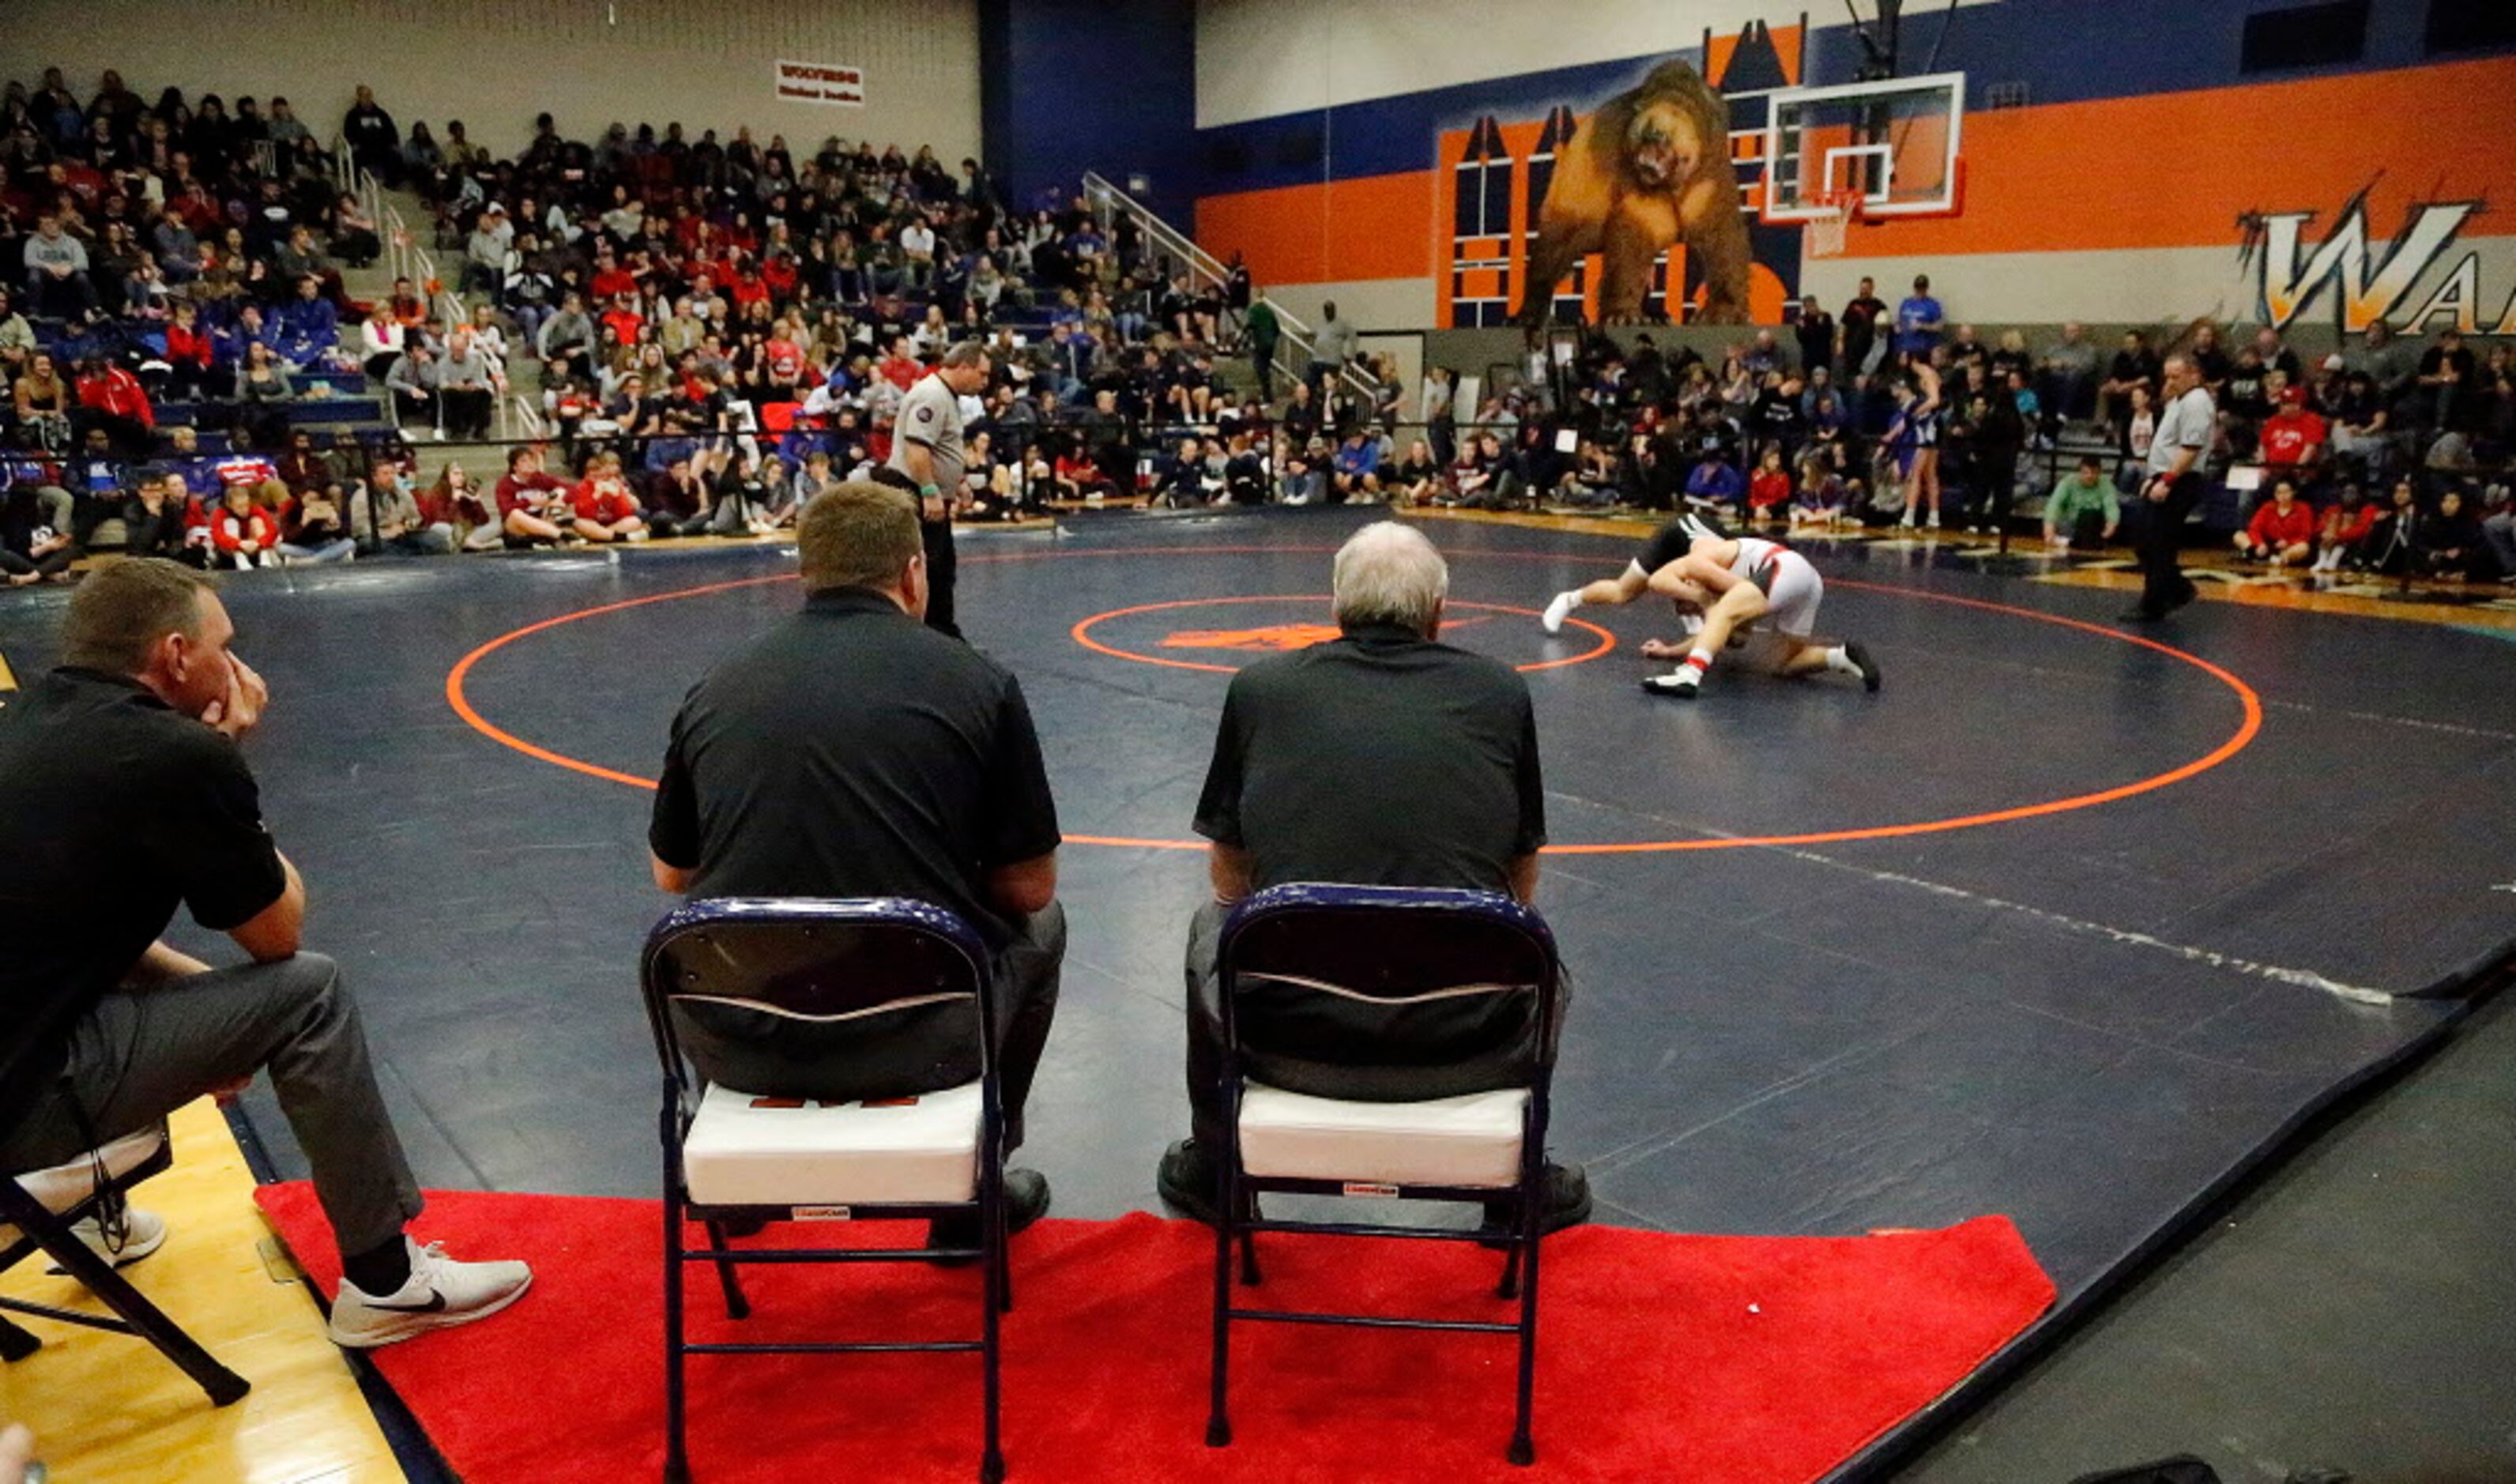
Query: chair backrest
[
  {"x": 815, "y": 997},
  {"x": 1327, "y": 988}
]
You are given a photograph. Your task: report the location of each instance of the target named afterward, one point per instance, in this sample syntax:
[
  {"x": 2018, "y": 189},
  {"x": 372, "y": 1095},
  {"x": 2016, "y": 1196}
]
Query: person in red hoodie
[
  {"x": 606, "y": 510},
  {"x": 531, "y": 504},
  {"x": 2293, "y": 438},
  {"x": 188, "y": 353},
  {"x": 1770, "y": 490},
  {"x": 624, "y": 319},
  {"x": 2347, "y": 526},
  {"x": 242, "y": 532},
  {"x": 2283, "y": 532},
  {"x": 115, "y": 399}
]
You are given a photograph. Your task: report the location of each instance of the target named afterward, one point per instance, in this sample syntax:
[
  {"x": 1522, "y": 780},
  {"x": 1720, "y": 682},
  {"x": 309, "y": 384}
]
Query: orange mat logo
[{"x": 1274, "y": 638}]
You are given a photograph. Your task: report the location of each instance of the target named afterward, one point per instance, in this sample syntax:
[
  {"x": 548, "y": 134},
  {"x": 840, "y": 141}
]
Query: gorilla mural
[{"x": 1648, "y": 169}]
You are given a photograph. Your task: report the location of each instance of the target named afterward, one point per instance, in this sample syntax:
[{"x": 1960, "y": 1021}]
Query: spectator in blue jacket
[
  {"x": 1357, "y": 474},
  {"x": 1716, "y": 480},
  {"x": 309, "y": 325}
]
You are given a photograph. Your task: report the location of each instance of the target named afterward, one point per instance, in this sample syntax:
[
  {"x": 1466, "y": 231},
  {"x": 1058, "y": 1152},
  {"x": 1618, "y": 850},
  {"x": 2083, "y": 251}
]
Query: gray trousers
[
  {"x": 141, "y": 1055},
  {"x": 1029, "y": 971}
]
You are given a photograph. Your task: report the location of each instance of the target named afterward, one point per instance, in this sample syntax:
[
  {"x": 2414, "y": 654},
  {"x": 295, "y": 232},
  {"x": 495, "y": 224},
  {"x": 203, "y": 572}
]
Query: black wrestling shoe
[
  {"x": 1867, "y": 663},
  {"x": 1026, "y": 1202},
  {"x": 1565, "y": 1194}
]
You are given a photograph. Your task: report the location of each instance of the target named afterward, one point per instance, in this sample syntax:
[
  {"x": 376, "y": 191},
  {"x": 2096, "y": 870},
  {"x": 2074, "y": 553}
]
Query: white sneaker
[
  {"x": 1558, "y": 611},
  {"x": 441, "y": 1292},
  {"x": 1935, "y": 520},
  {"x": 1682, "y": 684},
  {"x": 1910, "y": 519},
  {"x": 143, "y": 1233}
]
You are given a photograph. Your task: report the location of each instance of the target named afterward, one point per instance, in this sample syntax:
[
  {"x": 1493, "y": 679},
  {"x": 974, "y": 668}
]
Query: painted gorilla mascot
[{"x": 1648, "y": 169}]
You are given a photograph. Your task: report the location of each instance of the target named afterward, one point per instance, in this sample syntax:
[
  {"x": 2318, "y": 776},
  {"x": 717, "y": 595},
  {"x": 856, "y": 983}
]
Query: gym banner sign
[{"x": 821, "y": 83}]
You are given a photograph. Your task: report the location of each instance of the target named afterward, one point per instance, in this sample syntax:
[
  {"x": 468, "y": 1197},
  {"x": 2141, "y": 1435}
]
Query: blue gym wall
[{"x": 1106, "y": 85}]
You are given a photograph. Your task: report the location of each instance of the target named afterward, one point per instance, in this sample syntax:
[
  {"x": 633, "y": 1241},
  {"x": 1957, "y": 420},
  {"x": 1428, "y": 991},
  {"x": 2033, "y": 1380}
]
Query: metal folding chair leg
[
  {"x": 1000, "y": 1298},
  {"x": 16, "y": 1343},
  {"x": 1523, "y": 1447},
  {"x": 144, "y": 1319},
  {"x": 676, "y": 1462},
  {"x": 736, "y": 1305},
  {"x": 1218, "y": 1418}
]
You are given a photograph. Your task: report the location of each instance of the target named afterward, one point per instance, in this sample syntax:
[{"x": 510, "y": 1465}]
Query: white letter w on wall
[{"x": 2271, "y": 246}]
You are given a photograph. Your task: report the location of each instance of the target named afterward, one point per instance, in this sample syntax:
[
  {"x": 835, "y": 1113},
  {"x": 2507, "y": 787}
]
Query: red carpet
[{"x": 1661, "y": 1358}]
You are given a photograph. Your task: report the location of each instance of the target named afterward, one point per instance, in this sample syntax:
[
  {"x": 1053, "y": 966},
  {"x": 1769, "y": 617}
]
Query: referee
[
  {"x": 926, "y": 447},
  {"x": 2173, "y": 488}
]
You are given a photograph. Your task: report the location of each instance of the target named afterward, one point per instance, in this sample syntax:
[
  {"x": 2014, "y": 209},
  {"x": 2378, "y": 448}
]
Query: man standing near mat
[
  {"x": 123, "y": 796},
  {"x": 926, "y": 447},
  {"x": 1449, "y": 743},
  {"x": 2176, "y": 450},
  {"x": 852, "y": 753}
]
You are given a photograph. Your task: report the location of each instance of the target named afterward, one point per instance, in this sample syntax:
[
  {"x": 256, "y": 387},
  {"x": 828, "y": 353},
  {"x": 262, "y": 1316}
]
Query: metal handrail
[{"x": 1297, "y": 336}]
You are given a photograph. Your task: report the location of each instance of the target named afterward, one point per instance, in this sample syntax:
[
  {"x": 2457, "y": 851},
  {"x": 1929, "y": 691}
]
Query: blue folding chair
[
  {"x": 824, "y": 1060},
  {"x": 1327, "y": 990}
]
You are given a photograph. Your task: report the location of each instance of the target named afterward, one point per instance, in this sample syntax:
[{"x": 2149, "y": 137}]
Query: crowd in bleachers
[
  {"x": 714, "y": 328},
  {"x": 730, "y": 321},
  {"x": 171, "y": 332},
  {"x": 2396, "y": 455}
]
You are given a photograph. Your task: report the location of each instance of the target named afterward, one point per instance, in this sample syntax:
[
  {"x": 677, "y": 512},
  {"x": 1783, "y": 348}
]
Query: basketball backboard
[{"x": 1896, "y": 143}]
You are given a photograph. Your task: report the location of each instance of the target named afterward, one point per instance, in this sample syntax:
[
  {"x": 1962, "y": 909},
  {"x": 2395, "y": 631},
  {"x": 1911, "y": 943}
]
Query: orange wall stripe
[
  {"x": 2176, "y": 169},
  {"x": 1377, "y": 226}
]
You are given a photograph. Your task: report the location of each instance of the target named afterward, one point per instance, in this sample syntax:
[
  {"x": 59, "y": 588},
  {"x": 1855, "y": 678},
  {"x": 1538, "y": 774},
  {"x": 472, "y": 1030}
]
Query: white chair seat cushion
[
  {"x": 747, "y": 1151},
  {"x": 65, "y": 1185},
  {"x": 1473, "y": 1139}
]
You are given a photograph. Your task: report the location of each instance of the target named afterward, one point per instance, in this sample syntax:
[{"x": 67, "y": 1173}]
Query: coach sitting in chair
[
  {"x": 852, "y": 751},
  {"x": 123, "y": 794},
  {"x": 1381, "y": 758}
]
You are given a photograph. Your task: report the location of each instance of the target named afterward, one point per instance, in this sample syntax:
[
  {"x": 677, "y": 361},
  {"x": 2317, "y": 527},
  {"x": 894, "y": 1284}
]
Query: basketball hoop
[{"x": 1826, "y": 230}]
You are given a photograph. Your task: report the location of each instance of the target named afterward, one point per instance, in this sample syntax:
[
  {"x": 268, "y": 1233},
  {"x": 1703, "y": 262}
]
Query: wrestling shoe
[
  {"x": 1560, "y": 610},
  {"x": 439, "y": 1294},
  {"x": 1682, "y": 685},
  {"x": 1867, "y": 663}
]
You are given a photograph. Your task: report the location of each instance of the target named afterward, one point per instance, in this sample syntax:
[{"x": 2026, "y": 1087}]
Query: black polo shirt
[
  {"x": 114, "y": 810},
  {"x": 1380, "y": 758},
  {"x": 852, "y": 751}
]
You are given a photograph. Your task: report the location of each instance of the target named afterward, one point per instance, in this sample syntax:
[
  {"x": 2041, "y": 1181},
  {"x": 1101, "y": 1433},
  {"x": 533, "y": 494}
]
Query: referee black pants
[
  {"x": 2163, "y": 585},
  {"x": 941, "y": 569}
]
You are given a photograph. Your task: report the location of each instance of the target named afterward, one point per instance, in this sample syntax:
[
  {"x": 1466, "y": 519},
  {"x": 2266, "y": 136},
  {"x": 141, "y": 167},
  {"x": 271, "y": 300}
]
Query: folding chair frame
[
  {"x": 1239, "y": 1219},
  {"x": 680, "y": 1108},
  {"x": 49, "y": 1232}
]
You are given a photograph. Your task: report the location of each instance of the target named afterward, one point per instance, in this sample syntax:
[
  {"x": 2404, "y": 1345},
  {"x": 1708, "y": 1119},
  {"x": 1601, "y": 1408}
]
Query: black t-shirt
[
  {"x": 1861, "y": 327},
  {"x": 1816, "y": 334},
  {"x": 114, "y": 810},
  {"x": 1379, "y": 758},
  {"x": 852, "y": 751}
]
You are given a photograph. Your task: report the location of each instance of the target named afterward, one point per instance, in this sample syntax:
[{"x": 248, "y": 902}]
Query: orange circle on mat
[
  {"x": 2237, "y": 741},
  {"x": 1083, "y": 631}
]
